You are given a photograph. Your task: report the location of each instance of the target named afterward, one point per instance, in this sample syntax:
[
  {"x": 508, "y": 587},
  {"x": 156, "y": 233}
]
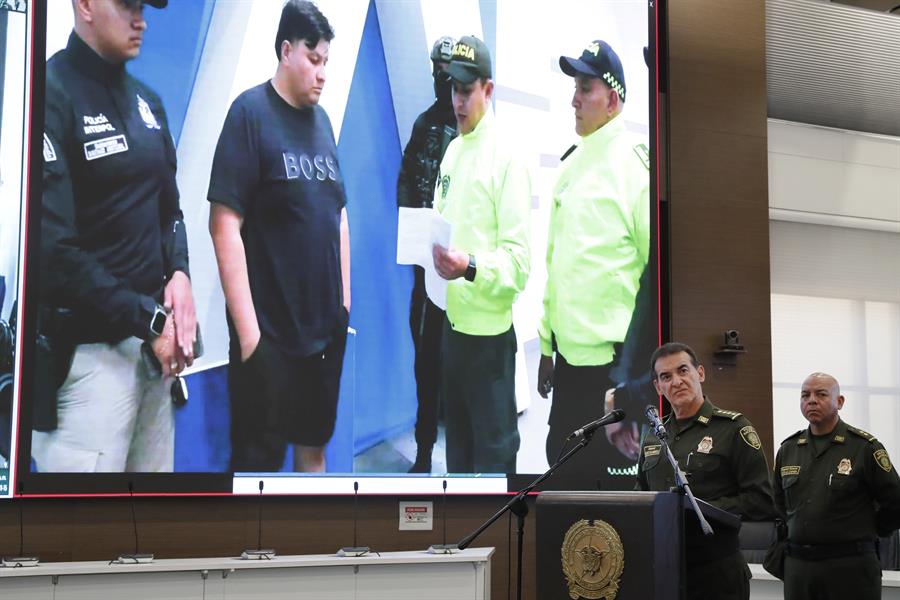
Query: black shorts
[{"x": 276, "y": 397}]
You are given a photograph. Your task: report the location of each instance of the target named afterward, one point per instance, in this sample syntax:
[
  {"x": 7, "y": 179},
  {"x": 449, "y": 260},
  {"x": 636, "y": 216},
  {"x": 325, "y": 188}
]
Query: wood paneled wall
[
  {"x": 719, "y": 278},
  {"x": 719, "y": 231}
]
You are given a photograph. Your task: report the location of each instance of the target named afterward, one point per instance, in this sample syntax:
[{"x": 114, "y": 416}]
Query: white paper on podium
[{"x": 418, "y": 229}]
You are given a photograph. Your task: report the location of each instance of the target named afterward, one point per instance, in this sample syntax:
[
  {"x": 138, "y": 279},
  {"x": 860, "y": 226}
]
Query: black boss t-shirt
[{"x": 277, "y": 167}]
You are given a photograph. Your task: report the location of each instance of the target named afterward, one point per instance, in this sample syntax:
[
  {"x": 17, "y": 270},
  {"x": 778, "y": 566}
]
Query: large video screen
[
  {"x": 15, "y": 67},
  {"x": 188, "y": 159}
]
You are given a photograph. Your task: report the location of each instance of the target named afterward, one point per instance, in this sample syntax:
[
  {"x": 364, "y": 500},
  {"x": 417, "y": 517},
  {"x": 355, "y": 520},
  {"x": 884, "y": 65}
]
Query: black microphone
[
  {"x": 133, "y": 516},
  {"x": 656, "y": 425},
  {"x": 444, "y": 548},
  {"x": 136, "y": 557},
  {"x": 20, "y": 560},
  {"x": 259, "y": 518},
  {"x": 614, "y": 416},
  {"x": 259, "y": 553},
  {"x": 354, "y": 550}
]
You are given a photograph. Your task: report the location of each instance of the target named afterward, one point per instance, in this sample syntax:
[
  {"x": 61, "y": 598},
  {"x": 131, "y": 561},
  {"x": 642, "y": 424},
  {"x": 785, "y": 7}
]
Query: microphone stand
[
  {"x": 444, "y": 548},
  {"x": 354, "y": 550},
  {"x": 137, "y": 557},
  {"x": 681, "y": 482},
  {"x": 20, "y": 559},
  {"x": 518, "y": 505},
  {"x": 259, "y": 553}
]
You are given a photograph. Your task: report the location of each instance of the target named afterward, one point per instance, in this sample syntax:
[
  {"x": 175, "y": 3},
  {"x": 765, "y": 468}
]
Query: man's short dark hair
[
  {"x": 670, "y": 349},
  {"x": 302, "y": 20}
]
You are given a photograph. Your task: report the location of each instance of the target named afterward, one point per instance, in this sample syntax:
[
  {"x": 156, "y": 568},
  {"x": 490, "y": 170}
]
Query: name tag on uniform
[
  {"x": 651, "y": 451},
  {"x": 107, "y": 146}
]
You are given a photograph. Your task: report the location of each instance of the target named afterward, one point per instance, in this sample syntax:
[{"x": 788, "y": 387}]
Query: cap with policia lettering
[
  {"x": 597, "y": 60},
  {"x": 470, "y": 60}
]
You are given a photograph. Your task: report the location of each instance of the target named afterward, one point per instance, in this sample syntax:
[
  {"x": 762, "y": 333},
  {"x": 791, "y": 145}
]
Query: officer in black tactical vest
[
  {"x": 722, "y": 456},
  {"x": 837, "y": 489},
  {"x": 422, "y": 156}
]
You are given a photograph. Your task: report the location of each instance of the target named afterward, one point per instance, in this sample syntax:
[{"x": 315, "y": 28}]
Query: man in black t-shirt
[{"x": 279, "y": 228}]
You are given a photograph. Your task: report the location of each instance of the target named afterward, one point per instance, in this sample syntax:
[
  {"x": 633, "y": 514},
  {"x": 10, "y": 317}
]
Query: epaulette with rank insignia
[
  {"x": 643, "y": 153},
  {"x": 863, "y": 434},
  {"x": 727, "y": 414},
  {"x": 792, "y": 436}
]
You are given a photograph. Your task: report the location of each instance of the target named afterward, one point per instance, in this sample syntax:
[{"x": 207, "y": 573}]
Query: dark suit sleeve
[
  {"x": 70, "y": 276},
  {"x": 631, "y": 373},
  {"x": 751, "y": 474}
]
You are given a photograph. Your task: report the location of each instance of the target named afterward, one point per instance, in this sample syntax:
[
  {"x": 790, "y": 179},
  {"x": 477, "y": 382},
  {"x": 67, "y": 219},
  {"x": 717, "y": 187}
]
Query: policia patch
[
  {"x": 749, "y": 435},
  {"x": 881, "y": 457}
]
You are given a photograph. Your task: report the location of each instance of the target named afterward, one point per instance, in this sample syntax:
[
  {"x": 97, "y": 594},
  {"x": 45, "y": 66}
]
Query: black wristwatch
[
  {"x": 158, "y": 321},
  {"x": 470, "y": 270}
]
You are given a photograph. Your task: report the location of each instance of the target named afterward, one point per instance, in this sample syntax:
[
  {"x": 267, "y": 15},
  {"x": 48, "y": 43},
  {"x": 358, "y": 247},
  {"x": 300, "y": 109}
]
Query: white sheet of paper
[{"x": 418, "y": 229}]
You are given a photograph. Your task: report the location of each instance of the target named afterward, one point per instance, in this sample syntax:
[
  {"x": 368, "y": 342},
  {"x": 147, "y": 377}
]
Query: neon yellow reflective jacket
[
  {"x": 486, "y": 195},
  {"x": 597, "y": 246}
]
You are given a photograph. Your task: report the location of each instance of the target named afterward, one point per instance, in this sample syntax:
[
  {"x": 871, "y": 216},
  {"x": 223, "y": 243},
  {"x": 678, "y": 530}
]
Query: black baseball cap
[
  {"x": 470, "y": 60},
  {"x": 153, "y": 3},
  {"x": 597, "y": 60}
]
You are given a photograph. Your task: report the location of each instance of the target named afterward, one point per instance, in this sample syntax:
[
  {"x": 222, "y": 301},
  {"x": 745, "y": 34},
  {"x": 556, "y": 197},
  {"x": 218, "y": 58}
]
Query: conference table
[{"x": 386, "y": 576}]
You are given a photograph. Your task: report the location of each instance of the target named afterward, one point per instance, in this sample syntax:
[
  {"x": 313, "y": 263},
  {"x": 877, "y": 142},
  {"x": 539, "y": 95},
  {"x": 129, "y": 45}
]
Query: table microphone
[
  {"x": 354, "y": 550},
  {"x": 259, "y": 553},
  {"x": 20, "y": 560},
  {"x": 137, "y": 556},
  {"x": 444, "y": 548}
]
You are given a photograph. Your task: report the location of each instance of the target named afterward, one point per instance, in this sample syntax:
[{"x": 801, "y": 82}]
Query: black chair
[{"x": 755, "y": 538}]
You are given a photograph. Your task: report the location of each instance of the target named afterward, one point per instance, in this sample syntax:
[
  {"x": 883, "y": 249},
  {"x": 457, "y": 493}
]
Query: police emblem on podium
[{"x": 593, "y": 559}]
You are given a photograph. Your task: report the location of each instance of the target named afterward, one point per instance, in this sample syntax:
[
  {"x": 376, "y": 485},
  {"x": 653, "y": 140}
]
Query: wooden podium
[{"x": 625, "y": 545}]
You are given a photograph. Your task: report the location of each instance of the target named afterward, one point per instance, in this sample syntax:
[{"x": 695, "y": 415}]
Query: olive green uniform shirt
[
  {"x": 721, "y": 454},
  {"x": 836, "y": 489}
]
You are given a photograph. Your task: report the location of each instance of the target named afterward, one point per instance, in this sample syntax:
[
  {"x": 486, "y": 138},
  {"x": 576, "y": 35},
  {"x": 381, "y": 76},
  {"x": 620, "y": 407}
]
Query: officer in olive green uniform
[
  {"x": 838, "y": 490},
  {"x": 721, "y": 454}
]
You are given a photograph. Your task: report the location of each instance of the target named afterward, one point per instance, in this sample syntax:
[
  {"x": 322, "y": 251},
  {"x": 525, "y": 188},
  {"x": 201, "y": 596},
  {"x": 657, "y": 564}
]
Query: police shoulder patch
[
  {"x": 883, "y": 460},
  {"x": 726, "y": 414},
  {"x": 749, "y": 435},
  {"x": 863, "y": 434},
  {"x": 643, "y": 153}
]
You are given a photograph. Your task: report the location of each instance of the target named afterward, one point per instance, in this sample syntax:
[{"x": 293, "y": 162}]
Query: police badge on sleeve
[{"x": 146, "y": 114}]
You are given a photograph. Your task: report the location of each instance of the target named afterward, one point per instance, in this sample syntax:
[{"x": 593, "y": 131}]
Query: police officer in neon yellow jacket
[
  {"x": 486, "y": 195},
  {"x": 597, "y": 248}
]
